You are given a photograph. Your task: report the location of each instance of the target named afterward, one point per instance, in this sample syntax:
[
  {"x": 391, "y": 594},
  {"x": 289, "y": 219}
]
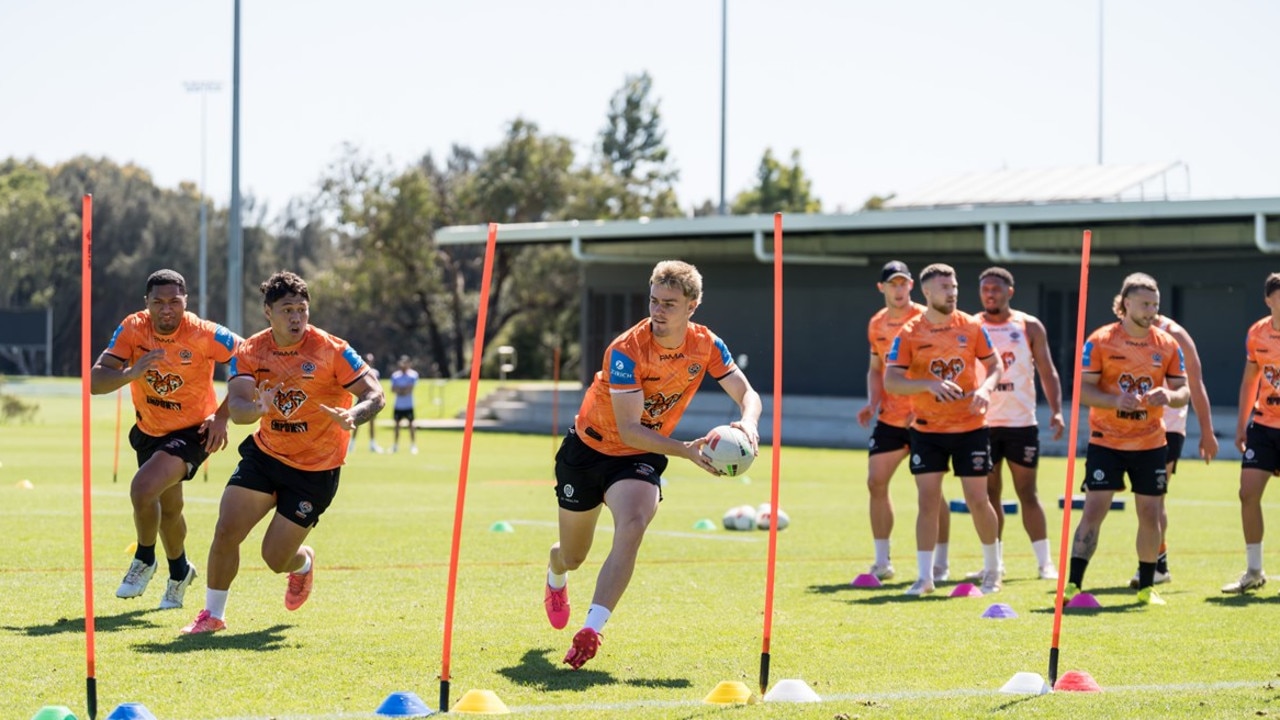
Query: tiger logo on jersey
[
  {"x": 657, "y": 404},
  {"x": 1129, "y": 384},
  {"x": 288, "y": 401},
  {"x": 947, "y": 369},
  {"x": 1272, "y": 374},
  {"x": 1006, "y": 359},
  {"x": 163, "y": 384}
]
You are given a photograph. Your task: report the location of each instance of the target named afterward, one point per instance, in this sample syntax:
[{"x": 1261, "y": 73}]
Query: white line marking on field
[
  {"x": 835, "y": 697},
  {"x": 744, "y": 537}
]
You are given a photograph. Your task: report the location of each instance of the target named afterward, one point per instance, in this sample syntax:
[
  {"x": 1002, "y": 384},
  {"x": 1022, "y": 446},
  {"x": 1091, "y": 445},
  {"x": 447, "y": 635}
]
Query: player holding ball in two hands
[{"x": 617, "y": 449}]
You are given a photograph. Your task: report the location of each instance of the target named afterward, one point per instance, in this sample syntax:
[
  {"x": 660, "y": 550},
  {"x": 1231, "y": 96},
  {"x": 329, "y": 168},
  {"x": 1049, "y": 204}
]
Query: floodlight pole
[
  {"x": 1100, "y": 15},
  {"x": 204, "y": 88},
  {"x": 724, "y": 73},
  {"x": 235, "y": 238}
]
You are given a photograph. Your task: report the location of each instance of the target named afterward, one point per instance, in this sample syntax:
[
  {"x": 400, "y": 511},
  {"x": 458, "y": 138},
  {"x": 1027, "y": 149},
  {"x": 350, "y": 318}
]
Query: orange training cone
[{"x": 1076, "y": 681}]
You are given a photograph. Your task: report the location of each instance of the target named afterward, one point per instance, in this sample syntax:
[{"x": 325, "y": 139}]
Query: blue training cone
[
  {"x": 131, "y": 711},
  {"x": 404, "y": 704}
]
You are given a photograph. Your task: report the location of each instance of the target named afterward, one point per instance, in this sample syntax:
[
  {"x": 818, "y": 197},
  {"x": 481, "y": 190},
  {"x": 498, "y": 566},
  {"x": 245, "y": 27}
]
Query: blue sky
[{"x": 878, "y": 96}]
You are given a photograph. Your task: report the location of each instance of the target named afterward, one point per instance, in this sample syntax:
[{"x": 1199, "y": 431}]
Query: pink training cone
[
  {"x": 1084, "y": 600},
  {"x": 867, "y": 580},
  {"x": 1076, "y": 681},
  {"x": 966, "y": 590}
]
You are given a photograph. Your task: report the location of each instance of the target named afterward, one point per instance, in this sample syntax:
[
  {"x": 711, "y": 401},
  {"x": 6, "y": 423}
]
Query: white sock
[
  {"x": 924, "y": 564},
  {"x": 991, "y": 557},
  {"x": 940, "y": 555},
  {"x": 882, "y": 552},
  {"x": 1253, "y": 552},
  {"x": 1041, "y": 549},
  {"x": 597, "y": 616},
  {"x": 999, "y": 552},
  {"x": 557, "y": 581},
  {"x": 306, "y": 565},
  {"x": 215, "y": 601}
]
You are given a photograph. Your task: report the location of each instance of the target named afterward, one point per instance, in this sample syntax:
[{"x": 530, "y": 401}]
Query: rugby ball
[
  {"x": 742, "y": 517},
  {"x": 765, "y": 517},
  {"x": 728, "y": 449}
]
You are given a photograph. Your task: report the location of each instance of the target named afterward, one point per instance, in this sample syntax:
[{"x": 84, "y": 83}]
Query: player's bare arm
[
  {"x": 214, "y": 428},
  {"x": 628, "y": 409},
  {"x": 1094, "y": 396},
  {"x": 247, "y": 400},
  {"x": 370, "y": 400},
  {"x": 1175, "y": 393},
  {"x": 739, "y": 388},
  {"x": 1199, "y": 395},
  {"x": 1050, "y": 382},
  {"x": 109, "y": 373},
  {"x": 982, "y": 394},
  {"x": 897, "y": 382},
  {"x": 875, "y": 390},
  {"x": 1248, "y": 394}
]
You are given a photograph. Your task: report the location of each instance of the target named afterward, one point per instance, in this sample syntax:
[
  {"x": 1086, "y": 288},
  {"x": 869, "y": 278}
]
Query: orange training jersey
[
  {"x": 951, "y": 351},
  {"x": 894, "y": 409},
  {"x": 668, "y": 377},
  {"x": 314, "y": 372},
  {"x": 1131, "y": 365},
  {"x": 1262, "y": 346},
  {"x": 176, "y": 392}
]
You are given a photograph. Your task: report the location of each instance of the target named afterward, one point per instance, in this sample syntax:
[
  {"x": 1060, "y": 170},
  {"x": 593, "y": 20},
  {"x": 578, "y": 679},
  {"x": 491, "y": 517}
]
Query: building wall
[{"x": 826, "y": 308}]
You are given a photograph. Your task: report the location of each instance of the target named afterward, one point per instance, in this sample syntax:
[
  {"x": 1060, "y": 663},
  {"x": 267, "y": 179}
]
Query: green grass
[{"x": 692, "y": 617}]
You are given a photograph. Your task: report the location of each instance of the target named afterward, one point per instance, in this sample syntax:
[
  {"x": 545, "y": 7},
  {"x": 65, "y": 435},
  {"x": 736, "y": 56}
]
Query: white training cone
[
  {"x": 1026, "y": 683},
  {"x": 792, "y": 691}
]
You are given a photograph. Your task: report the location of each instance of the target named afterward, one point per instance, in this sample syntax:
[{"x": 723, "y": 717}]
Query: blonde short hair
[{"x": 678, "y": 274}]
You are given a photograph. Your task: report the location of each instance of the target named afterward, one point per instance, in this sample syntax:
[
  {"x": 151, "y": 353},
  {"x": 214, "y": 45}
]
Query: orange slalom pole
[
  {"x": 115, "y": 463},
  {"x": 477, "y": 354},
  {"x": 777, "y": 451},
  {"x": 86, "y": 368},
  {"x": 1072, "y": 435}
]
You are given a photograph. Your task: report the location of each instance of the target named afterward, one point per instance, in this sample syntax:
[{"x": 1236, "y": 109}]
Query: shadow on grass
[
  {"x": 830, "y": 589},
  {"x": 535, "y": 670},
  {"x": 265, "y": 640},
  {"x": 1242, "y": 600},
  {"x": 1015, "y": 702},
  {"x": 102, "y": 623}
]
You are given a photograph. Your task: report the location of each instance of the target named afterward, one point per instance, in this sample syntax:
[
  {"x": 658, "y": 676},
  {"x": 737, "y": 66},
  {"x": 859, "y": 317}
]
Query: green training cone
[
  {"x": 54, "y": 712},
  {"x": 501, "y": 526}
]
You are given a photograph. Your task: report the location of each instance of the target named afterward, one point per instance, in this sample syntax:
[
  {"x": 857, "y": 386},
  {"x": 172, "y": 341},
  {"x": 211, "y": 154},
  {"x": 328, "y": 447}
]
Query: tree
[
  {"x": 779, "y": 188},
  {"x": 633, "y": 174}
]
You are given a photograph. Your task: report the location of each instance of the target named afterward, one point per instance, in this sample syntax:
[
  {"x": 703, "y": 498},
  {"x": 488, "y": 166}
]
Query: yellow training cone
[
  {"x": 132, "y": 547},
  {"x": 481, "y": 702},
  {"x": 25, "y": 485},
  {"x": 729, "y": 693}
]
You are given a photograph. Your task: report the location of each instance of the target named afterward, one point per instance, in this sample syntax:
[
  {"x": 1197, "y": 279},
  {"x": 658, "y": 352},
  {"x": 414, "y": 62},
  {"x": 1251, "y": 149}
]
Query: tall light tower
[
  {"x": 235, "y": 235},
  {"x": 204, "y": 87}
]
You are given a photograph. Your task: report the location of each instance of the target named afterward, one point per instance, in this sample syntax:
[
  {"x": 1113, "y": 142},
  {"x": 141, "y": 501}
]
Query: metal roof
[
  {"x": 1046, "y": 185},
  {"x": 908, "y": 218}
]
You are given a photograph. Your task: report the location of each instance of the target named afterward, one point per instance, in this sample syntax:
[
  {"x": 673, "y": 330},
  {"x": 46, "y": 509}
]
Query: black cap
[{"x": 893, "y": 269}]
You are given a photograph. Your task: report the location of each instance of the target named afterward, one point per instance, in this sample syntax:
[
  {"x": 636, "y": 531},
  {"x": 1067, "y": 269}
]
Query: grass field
[{"x": 692, "y": 617}]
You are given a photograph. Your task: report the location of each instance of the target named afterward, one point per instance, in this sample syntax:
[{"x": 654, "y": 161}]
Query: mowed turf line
[{"x": 692, "y": 617}]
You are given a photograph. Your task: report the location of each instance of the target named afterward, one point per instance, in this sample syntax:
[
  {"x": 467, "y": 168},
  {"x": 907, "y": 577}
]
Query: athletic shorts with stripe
[
  {"x": 584, "y": 474},
  {"x": 302, "y": 496}
]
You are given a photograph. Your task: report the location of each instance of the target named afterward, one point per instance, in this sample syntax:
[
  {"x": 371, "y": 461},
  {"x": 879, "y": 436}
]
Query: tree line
[{"x": 363, "y": 239}]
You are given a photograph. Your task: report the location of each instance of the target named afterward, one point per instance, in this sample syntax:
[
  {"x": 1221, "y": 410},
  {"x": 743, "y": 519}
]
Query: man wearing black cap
[{"x": 889, "y": 443}]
